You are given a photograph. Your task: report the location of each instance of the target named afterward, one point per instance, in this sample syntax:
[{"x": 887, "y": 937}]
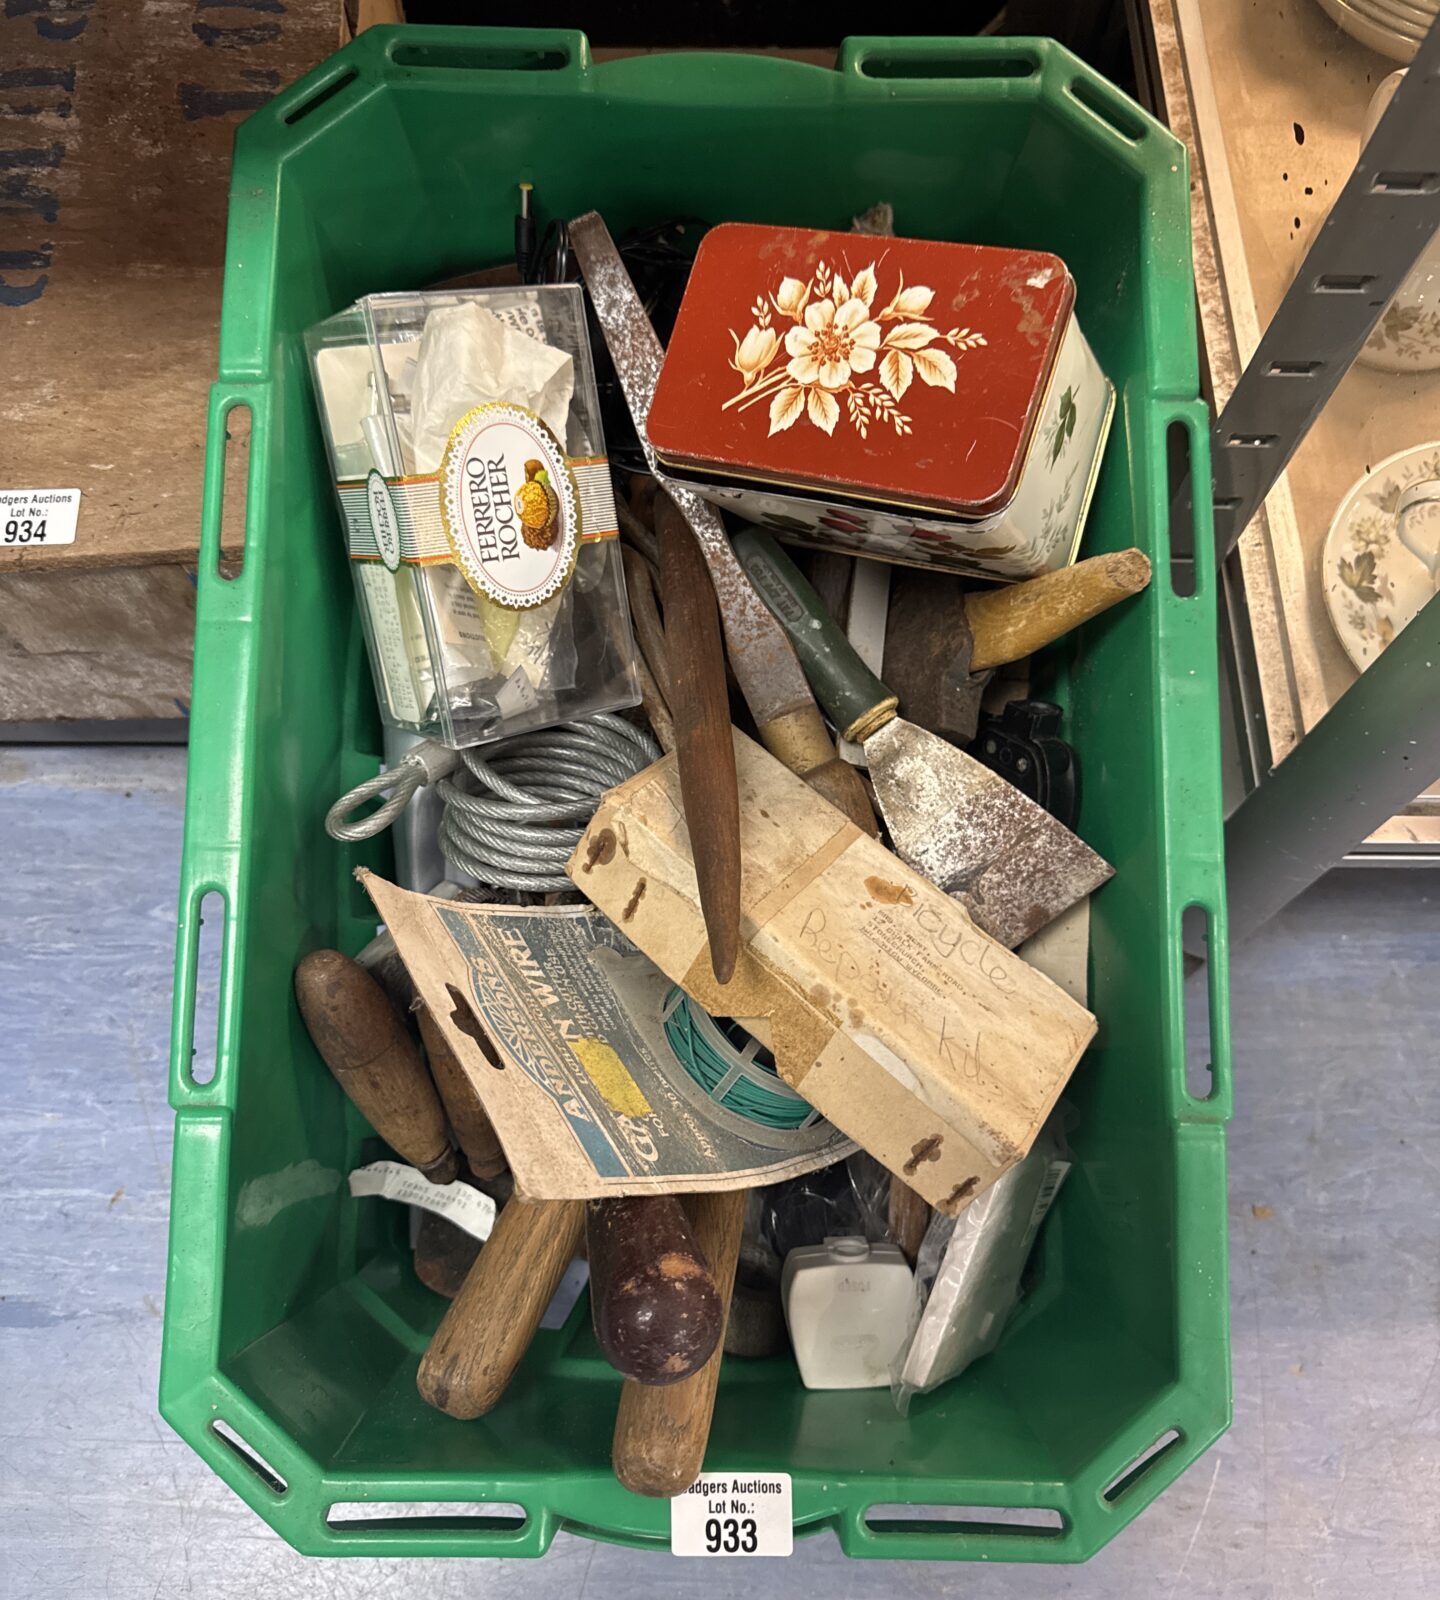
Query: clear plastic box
[{"x": 465, "y": 440}]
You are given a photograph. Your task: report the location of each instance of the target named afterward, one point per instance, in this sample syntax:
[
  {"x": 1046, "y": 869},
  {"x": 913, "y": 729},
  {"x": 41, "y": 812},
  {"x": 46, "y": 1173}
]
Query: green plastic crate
[{"x": 293, "y": 1322}]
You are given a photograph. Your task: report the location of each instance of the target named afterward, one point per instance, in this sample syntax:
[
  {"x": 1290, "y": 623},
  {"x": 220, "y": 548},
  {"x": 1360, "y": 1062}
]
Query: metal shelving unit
[{"x": 1299, "y": 244}]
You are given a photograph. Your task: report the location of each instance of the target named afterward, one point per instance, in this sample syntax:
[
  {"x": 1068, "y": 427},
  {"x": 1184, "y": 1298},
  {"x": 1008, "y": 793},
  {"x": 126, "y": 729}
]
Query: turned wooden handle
[
  {"x": 491, "y": 1322},
  {"x": 909, "y": 1217},
  {"x": 473, "y": 1128},
  {"x": 798, "y": 740},
  {"x": 655, "y": 1307},
  {"x": 364, "y": 1042},
  {"x": 661, "y": 1433},
  {"x": 1008, "y": 624}
]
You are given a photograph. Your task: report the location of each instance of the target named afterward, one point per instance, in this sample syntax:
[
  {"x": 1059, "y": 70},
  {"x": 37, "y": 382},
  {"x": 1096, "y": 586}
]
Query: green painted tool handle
[{"x": 854, "y": 699}]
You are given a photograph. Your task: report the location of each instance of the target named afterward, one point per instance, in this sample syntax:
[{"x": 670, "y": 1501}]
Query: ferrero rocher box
[
  {"x": 469, "y": 464},
  {"x": 927, "y": 403}
]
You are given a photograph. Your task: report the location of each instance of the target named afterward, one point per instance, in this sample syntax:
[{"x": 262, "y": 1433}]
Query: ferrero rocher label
[{"x": 509, "y": 505}]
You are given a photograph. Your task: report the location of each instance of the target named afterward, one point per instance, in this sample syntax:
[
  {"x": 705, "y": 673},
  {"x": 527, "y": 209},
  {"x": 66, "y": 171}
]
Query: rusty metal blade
[
  {"x": 1006, "y": 860},
  {"x": 761, "y": 656}
]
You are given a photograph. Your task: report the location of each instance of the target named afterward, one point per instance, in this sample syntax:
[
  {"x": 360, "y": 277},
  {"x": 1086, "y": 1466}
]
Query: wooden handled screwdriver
[
  {"x": 661, "y": 1433},
  {"x": 484, "y": 1335},
  {"x": 473, "y": 1128},
  {"x": 656, "y": 1309},
  {"x": 364, "y": 1042}
]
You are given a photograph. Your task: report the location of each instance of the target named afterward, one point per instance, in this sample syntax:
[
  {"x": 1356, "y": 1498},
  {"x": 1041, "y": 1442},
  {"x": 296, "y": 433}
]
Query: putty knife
[{"x": 1008, "y": 862}]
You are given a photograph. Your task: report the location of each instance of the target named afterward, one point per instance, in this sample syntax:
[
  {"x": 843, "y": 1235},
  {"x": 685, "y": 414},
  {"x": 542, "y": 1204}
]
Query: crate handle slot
[
  {"x": 1128, "y": 1476},
  {"x": 1005, "y": 1522},
  {"x": 1107, "y": 105},
  {"x": 536, "y": 55},
  {"x": 225, "y": 513},
  {"x": 238, "y": 422},
  {"x": 903, "y": 64},
  {"x": 200, "y": 987},
  {"x": 1189, "y": 544},
  {"x": 320, "y": 95},
  {"x": 387, "y": 1517},
  {"x": 1205, "y": 1046},
  {"x": 250, "y": 1456}
]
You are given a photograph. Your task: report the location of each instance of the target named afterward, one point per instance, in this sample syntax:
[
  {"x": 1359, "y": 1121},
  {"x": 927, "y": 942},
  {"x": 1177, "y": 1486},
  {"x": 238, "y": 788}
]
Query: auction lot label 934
[{"x": 733, "y": 1514}]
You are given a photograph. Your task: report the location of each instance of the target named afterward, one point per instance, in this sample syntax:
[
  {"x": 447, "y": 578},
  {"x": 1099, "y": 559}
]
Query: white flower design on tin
[{"x": 836, "y": 341}]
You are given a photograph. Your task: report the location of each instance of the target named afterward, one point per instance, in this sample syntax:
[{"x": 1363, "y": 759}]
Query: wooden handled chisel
[
  {"x": 765, "y": 666},
  {"x": 700, "y": 706},
  {"x": 661, "y": 1433},
  {"x": 488, "y": 1328},
  {"x": 363, "y": 1041}
]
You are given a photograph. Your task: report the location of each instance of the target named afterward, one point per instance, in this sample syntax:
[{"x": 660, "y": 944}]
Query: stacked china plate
[{"x": 1393, "y": 27}]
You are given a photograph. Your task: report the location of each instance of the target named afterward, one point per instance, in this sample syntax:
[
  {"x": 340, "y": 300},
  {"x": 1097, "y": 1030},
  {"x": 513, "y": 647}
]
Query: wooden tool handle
[
  {"x": 473, "y": 1128},
  {"x": 656, "y": 1310},
  {"x": 444, "y": 1255},
  {"x": 854, "y": 699},
  {"x": 909, "y": 1217},
  {"x": 1010, "y": 623},
  {"x": 363, "y": 1041},
  {"x": 491, "y": 1322},
  {"x": 700, "y": 706},
  {"x": 661, "y": 1434}
]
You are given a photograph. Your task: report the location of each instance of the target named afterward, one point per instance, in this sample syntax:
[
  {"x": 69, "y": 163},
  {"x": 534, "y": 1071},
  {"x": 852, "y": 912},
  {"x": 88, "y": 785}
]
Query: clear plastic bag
[
  {"x": 847, "y": 1200},
  {"x": 465, "y": 440},
  {"x": 967, "y": 1275}
]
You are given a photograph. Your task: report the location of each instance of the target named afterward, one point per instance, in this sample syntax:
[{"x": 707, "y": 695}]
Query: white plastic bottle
[{"x": 848, "y": 1307}]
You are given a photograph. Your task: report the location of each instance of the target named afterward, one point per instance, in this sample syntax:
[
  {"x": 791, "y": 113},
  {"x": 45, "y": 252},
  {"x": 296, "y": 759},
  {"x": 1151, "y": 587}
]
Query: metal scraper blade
[{"x": 1006, "y": 860}]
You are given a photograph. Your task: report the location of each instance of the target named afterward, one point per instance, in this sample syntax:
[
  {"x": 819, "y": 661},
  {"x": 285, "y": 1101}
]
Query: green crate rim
[{"x": 1196, "y": 1410}]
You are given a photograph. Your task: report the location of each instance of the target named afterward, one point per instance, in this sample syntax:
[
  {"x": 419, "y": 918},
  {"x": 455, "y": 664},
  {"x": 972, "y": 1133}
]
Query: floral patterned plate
[{"x": 1373, "y": 585}]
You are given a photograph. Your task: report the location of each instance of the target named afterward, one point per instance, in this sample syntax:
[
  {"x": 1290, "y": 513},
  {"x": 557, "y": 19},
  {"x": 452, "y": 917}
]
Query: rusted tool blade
[
  {"x": 764, "y": 663},
  {"x": 701, "y": 712},
  {"x": 1005, "y": 859}
]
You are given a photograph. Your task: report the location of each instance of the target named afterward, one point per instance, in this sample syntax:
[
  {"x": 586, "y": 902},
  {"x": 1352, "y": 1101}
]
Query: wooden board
[
  {"x": 96, "y": 646},
  {"x": 1230, "y": 330},
  {"x": 116, "y": 124}
]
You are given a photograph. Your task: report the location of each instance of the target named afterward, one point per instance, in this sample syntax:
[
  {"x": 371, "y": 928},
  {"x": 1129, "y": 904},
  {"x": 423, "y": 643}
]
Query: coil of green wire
[{"x": 734, "y": 1069}]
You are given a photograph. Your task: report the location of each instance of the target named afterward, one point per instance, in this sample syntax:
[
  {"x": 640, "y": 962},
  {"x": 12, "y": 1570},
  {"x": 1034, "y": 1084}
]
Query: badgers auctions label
[
  {"x": 38, "y": 517},
  {"x": 733, "y": 1514}
]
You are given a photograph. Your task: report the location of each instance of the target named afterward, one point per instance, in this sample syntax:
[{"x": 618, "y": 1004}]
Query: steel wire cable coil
[{"x": 516, "y": 813}]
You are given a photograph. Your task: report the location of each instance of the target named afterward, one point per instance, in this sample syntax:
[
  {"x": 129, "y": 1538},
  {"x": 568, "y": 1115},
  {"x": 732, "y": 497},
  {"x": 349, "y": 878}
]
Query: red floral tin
[{"x": 923, "y": 402}]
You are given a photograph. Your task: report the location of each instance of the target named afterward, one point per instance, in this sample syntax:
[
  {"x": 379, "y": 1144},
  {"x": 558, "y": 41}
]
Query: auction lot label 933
[{"x": 733, "y": 1514}]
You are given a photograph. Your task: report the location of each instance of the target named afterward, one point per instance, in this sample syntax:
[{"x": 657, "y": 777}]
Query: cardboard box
[
  {"x": 115, "y": 133},
  {"x": 934, "y": 1047}
]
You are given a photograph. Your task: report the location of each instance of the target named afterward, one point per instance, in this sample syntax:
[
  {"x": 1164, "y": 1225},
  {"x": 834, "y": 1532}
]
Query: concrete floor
[{"x": 1328, "y": 1485}]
